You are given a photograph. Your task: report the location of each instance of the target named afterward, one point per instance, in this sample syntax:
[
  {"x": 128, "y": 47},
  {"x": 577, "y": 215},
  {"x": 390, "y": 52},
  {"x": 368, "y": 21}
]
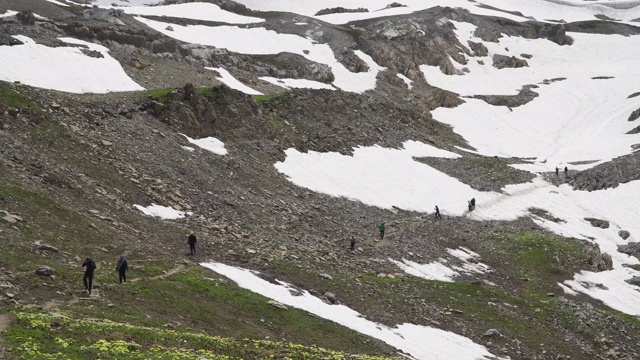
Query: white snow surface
[
  {"x": 383, "y": 177},
  {"x": 75, "y": 72},
  {"x": 196, "y": 11},
  {"x": 58, "y": 2},
  {"x": 8, "y": 13},
  {"x": 442, "y": 269},
  {"x": 576, "y": 119},
  {"x": 162, "y": 212},
  {"x": 297, "y": 83},
  {"x": 260, "y": 41},
  {"x": 406, "y": 80},
  {"x": 541, "y": 10},
  {"x": 124, "y": 3},
  {"x": 421, "y": 342},
  {"x": 232, "y": 82},
  {"x": 209, "y": 143}
]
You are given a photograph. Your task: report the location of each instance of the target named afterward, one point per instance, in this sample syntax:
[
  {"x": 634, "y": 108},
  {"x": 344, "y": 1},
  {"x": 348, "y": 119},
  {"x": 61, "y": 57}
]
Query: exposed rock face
[
  {"x": 524, "y": 96},
  {"x": 556, "y": 33},
  {"x": 444, "y": 98},
  {"x": 624, "y": 234},
  {"x": 634, "y": 281},
  {"x": 632, "y": 249},
  {"x": 198, "y": 114},
  {"x": 619, "y": 171},
  {"x": 603, "y": 224},
  {"x": 339, "y": 10},
  {"x": 597, "y": 260},
  {"x": 478, "y": 48},
  {"x": 502, "y": 61},
  {"x": 288, "y": 65},
  {"x": 26, "y": 17},
  {"x": 634, "y": 115}
]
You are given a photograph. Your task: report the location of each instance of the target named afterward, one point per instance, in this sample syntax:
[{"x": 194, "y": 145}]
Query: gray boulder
[
  {"x": 624, "y": 234},
  {"x": 44, "y": 270}
]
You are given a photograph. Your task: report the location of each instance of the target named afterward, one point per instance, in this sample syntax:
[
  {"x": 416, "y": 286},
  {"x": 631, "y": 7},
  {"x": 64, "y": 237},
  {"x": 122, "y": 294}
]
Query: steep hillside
[{"x": 74, "y": 163}]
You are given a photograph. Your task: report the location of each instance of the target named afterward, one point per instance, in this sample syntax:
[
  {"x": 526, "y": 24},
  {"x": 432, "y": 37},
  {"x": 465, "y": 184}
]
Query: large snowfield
[{"x": 581, "y": 117}]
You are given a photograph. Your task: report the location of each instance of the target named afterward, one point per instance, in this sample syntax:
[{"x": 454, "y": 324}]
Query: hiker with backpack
[
  {"x": 438, "y": 213},
  {"x": 192, "y": 243},
  {"x": 122, "y": 268},
  {"x": 88, "y": 274},
  {"x": 382, "y": 228},
  {"x": 352, "y": 243}
]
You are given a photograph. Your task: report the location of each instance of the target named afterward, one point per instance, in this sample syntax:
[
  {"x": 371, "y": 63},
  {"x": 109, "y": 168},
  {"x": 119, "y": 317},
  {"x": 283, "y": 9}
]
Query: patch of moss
[
  {"x": 536, "y": 257},
  {"x": 68, "y": 336},
  {"x": 15, "y": 99},
  {"x": 161, "y": 95},
  {"x": 209, "y": 91},
  {"x": 354, "y": 33},
  {"x": 262, "y": 98}
]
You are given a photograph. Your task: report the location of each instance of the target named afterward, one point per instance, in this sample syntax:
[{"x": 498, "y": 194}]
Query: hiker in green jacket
[{"x": 381, "y": 227}]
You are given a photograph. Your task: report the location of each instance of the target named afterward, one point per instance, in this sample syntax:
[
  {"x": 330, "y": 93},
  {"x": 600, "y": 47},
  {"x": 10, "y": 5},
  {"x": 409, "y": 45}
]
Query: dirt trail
[
  {"x": 5, "y": 321},
  {"x": 175, "y": 270}
]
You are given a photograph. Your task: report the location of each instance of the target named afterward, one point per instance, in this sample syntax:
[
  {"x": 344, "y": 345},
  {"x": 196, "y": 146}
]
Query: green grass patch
[
  {"x": 209, "y": 91},
  {"x": 222, "y": 308},
  {"x": 262, "y": 98},
  {"x": 64, "y": 335},
  {"x": 15, "y": 99},
  {"x": 536, "y": 258},
  {"x": 354, "y": 33},
  {"x": 159, "y": 94}
]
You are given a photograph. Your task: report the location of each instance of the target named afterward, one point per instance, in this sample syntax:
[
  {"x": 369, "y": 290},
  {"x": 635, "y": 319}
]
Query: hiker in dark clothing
[
  {"x": 438, "y": 213},
  {"x": 473, "y": 203},
  {"x": 122, "y": 268},
  {"x": 352, "y": 243},
  {"x": 381, "y": 227},
  {"x": 557, "y": 170},
  {"x": 192, "y": 243},
  {"x": 88, "y": 274},
  {"x": 566, "y": 171}
]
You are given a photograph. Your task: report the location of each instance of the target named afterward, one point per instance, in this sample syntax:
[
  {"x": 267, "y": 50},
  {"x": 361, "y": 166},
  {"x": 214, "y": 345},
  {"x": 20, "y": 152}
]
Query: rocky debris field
[{"x": 94, "y": 156}]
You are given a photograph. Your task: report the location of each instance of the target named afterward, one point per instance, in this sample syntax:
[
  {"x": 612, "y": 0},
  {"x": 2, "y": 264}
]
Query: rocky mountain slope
[{"x": 73, "y": 165}]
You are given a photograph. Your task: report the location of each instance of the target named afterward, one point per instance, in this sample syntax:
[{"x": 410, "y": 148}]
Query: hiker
[
  {"x": 122, "y": 268},
  {"x": 88, "y": 274},
  {"x": 381, "y": 227},
  {"x": 557, "y": 170},
  {"x": 566, "y": 171},
  {"x": 438, "y": 213},
  {"x": 352, "y": 243},
  {"x": 192, "y": 243},
  {"x": 473, "y": 203},
  {"x": 469, "y": 205}
]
